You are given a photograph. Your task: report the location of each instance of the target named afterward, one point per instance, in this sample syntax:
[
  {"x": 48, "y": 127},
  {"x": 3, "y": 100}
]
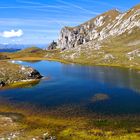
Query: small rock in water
[{"x": 35, "y": 74}]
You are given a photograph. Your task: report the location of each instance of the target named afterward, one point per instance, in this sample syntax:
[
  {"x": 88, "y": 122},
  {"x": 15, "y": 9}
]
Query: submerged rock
[{"x": 100, "y": 97}]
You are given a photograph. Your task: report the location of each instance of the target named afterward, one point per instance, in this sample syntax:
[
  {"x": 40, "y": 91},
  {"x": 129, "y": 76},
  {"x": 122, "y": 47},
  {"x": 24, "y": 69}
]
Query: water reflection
[{"x": 118, "y": 77}]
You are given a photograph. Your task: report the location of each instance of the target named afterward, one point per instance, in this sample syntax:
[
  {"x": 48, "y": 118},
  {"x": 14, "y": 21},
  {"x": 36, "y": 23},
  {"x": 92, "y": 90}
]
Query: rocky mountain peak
[{"x": 111, "y": 23}]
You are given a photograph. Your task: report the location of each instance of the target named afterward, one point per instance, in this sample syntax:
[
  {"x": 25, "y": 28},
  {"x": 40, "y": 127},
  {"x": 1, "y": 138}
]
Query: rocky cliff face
[
  {"x": 110, "y": 24},
  {"x": 52, "y": 46}
]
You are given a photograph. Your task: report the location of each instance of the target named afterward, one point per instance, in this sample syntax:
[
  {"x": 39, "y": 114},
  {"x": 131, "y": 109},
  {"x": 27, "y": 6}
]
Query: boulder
[
  {"x": 2, "y": 84},
  {"x": 34, "y": 74}
]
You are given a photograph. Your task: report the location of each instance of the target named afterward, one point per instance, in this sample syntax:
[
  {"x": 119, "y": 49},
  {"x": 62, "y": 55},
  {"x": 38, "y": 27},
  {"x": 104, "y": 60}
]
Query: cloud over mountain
[{"x": 12, "y": 33}]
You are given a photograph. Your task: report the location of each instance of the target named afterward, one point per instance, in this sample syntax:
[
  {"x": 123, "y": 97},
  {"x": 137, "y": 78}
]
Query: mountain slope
[{"x": 112, "y": 38}]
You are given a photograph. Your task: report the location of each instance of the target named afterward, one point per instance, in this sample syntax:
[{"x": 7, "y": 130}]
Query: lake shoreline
[
  {"x": 22, "y": 83},
  {"x": 32, "y": 59},
  {"x": 71, "y": 62}
]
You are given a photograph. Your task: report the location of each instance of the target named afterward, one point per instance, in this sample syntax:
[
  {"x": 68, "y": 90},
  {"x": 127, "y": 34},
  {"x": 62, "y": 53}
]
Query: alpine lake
[{"x": 102, "y": 97}]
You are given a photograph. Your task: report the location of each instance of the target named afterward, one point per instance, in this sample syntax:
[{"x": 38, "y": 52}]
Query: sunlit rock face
[
  {"x": 111, "y": 23},
  {"x": 52, "y": 46}
]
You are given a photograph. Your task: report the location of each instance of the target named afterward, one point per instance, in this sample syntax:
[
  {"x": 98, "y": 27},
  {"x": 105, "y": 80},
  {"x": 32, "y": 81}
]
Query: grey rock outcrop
[
  {"x": 34, "y": 74},
  {"x": 52, "y": 46}
]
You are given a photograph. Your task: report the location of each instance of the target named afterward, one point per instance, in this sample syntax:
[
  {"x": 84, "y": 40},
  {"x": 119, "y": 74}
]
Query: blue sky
[{"x": 40, "y": 21}]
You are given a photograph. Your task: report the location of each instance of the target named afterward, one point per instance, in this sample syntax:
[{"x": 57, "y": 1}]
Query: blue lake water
[
  {"x": 78, "y": 87},
  {"x": 9, "y": 50}
]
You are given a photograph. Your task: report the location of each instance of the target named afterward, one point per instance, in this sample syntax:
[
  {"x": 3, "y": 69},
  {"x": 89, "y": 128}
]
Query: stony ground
[
  {"x": 12, "y": 129},
  {"x": 11, "y": 73}
]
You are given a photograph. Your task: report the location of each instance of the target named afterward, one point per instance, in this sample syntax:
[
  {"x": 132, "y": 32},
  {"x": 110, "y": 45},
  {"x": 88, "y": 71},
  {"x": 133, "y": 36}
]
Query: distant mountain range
[
  {"x": 12, "y": 46},
  {"x": 17, "y": 47},
  {"x": 9, "y": 50}
]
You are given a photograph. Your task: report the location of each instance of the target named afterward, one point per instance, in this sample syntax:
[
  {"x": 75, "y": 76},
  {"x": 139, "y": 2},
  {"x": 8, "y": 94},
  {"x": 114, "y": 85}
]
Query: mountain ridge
[
  {"x": 110, "y": 23},
  {"x": 111, "y": 39}
]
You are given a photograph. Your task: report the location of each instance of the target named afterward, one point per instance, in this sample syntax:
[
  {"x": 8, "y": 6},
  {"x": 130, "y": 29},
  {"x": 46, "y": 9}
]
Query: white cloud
[{"x": 12, "y": 33}]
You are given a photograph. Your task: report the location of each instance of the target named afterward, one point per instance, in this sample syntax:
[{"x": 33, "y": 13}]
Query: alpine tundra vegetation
[{"x": 111, "y": 39}]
